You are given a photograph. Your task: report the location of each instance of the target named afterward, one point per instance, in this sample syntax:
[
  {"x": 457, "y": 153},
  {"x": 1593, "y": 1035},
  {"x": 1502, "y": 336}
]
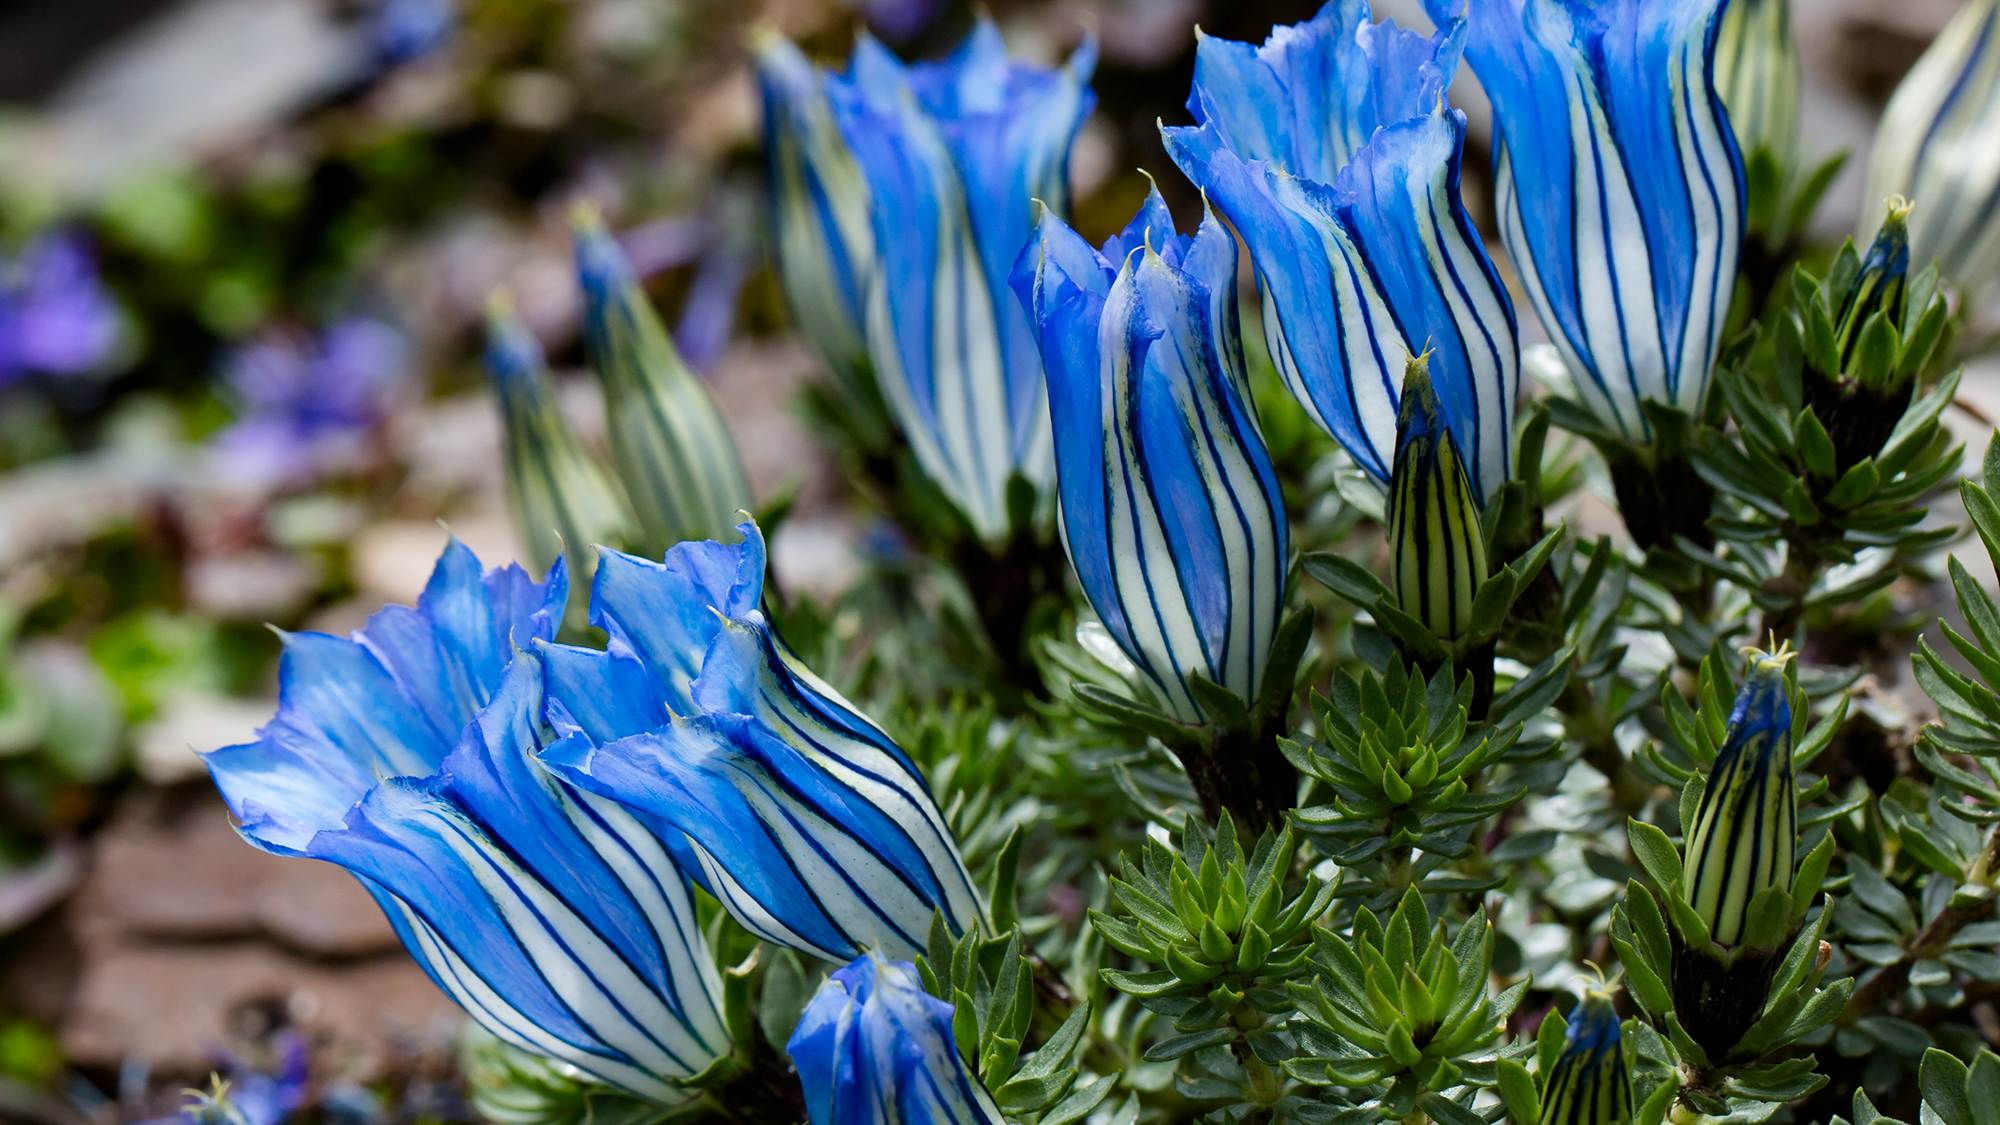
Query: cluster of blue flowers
[{"x": 534, "y": 817}]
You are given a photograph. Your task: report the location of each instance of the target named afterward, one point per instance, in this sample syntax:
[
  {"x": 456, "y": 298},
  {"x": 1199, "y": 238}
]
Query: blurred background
[{"x": 244, "y": 249}]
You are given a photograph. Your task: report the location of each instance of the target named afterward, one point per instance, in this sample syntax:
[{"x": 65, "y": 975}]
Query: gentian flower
[
  {"x": 1437, "y": 546},
  {"x": 1746, "y": 826},
  {"x": 405, "y": 754},
  {"x": 873, "y": 1048},
  {"x": 1332, "y": 153},
  {"x": 1757, "y": 72},
  {"x": 806, "y": 821},
  {"x": 671, "y": 447},
  {"x": 561, "y": 496},
  {"x": 55, "y": 316},
  {"x": 820, "y": 224},
  {"x": 309, "y": 403},
  {"x": 1620, "y": 188},
  {"x": 1171, "y": 510},
  {"x": 1939, "y": 146},
  {"x": 1590, "y": 1084},
  {"x": 954, "y": 153}
]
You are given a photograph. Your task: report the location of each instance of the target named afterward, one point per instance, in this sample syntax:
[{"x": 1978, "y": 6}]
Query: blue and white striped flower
[
  {"x": 806, "y": 821},
  {"x": 1758, "y": 74},
  {"x": 1939, "y": 146},
  {"x": 1746, "y": 827},
  {"x": 1171, "y": 510},
  {"x": 873, "y": 1048},
  {"x": 1590, "y": 1083},
  {"x": 954, "y": 154},
  {"x": 1620, "y": 188},
  {"x": 820, "y": 224},
  {"x": 560, "y": 495},
  {"x": 406, "y": 755},
  {"x": 1332, "y": 153},
  {"x": 669, "y": 443}
]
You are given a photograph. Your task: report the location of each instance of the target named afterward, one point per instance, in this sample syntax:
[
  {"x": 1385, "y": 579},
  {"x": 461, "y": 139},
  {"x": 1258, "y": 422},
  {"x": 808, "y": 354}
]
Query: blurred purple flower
[
  {"x": 251, "y": 1096},
  {"x": 898, "y": 21},
  {"x": 308, "y": 403},
  {"x": 709, "y": 313},
  {"x": 55, "y": 316},
  {"x": 722, "y": 258},
  {"x": 407, "y": 30}
]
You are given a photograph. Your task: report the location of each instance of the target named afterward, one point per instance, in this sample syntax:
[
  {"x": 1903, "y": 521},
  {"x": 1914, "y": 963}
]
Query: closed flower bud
[
  {"x": 1620, "y": 189},
  {"x": 806, "y": 821},
  {"x": 671, "y": 448},
  {"x": 561, "y": 496},
  {"x": 954, "y": 153},
  {"x": 820, "y": 223},
  {"x": 1590, "y": 1084},
  {"x": 873, "y": 1048},
  {"x": 1757, "y": 73},
  {"x": 1332, "y": 152},
  {"x": 1746, "y": 827},
  {"x": 1437, "y": 545},
  {"x": 1879, "y": 288},
  {"x": 1939, "y": 146},
  {"x": 406, "y": 754},
  {"x": 1171, "y": 510}
]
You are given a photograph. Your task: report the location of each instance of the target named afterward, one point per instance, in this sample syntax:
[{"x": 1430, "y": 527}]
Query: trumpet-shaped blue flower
[
  {"x": 873, "y": 1048},
  {"x": 406, "y": 755},
  {"x": 1620, "y": 188},
  {"x": 1171, "y": 511},
  {"x": 1590, "y": 1084},
  {"x": 1939, "y": 145},
  {"x": 1746, "y": 826},
  {"x": 954, "y": 153},
  {"x": 820, "y": 222},
  {"x": 809, "y": 824},
  {"x": 1331, "y": 152}
]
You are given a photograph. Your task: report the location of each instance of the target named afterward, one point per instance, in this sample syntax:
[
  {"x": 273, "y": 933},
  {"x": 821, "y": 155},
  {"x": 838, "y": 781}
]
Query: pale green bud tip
[{"x": 1419, "y": 412}]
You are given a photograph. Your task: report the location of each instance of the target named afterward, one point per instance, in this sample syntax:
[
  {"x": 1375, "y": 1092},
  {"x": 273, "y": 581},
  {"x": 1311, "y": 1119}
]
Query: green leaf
[
  {"x": 1518, "y": 1093},
  {"x": 1942, "y": 1078},
  {"x": 1815, "y": 447},
  {"x": 1086, "y": 1096},
  {"x": 1655, "y": 852},
  {"x": 1174, "y": 1047},
  {"x": 1345, "y": 577}
]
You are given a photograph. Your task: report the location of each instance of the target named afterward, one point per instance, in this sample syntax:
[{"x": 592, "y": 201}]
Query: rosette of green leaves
[
  {"x": 1401, "y": 771},
  {"x": 1837, "y": 443},
  {"x": 1405, "y": 1011},
  {"x": 1728, "y": 1001},
  {"x": 1216, "y": 933}
]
